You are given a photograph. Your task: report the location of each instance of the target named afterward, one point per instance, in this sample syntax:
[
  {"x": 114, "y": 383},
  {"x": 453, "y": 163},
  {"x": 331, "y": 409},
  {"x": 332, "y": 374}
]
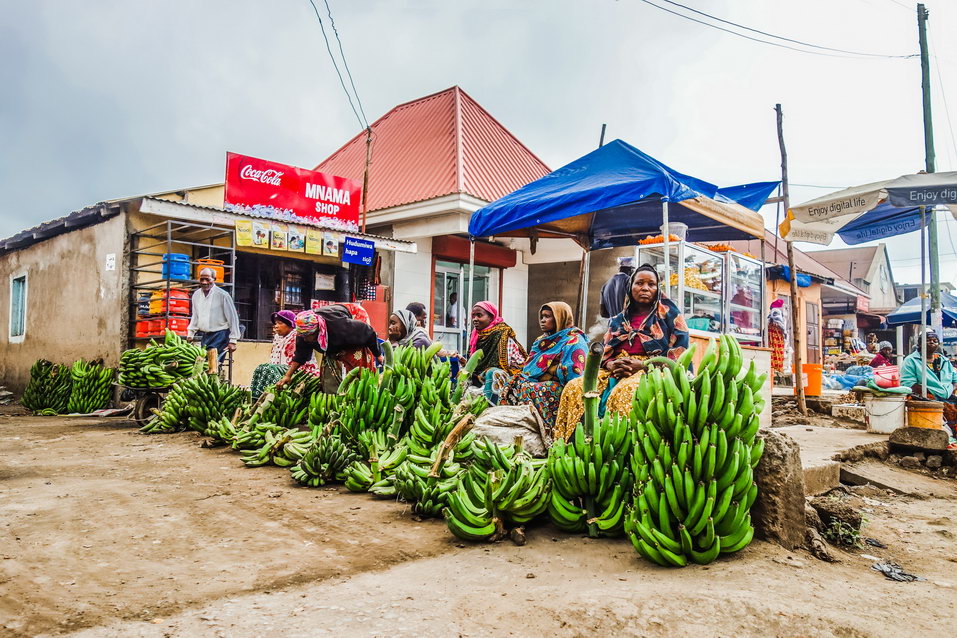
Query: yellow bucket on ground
[{"x": 925, "y": 414}]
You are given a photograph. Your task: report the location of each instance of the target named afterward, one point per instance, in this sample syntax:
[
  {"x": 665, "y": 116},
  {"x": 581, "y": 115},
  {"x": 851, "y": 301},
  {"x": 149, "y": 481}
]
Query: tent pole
[
  {"x": 468, "y": 309},
  {"x": 666, "y": 235},
  {"x": 586, "y": 272},
  {"x": 923, "y": 299},
  {"x": 764, "y": 298},
  {"x": 795, "y": 313}
]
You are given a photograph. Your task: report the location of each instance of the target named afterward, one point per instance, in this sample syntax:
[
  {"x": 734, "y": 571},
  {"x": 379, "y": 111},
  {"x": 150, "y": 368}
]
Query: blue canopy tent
[
  {"x": 910, "y": 311},
  {"x": 616, "y": 195}
]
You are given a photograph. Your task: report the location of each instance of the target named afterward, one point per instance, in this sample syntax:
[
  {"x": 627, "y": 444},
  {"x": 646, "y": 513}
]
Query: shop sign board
[
  {"x": 358, "y": 251},
  {"x": 288, "y": 193},
  {"x": 863, "y": 303}
]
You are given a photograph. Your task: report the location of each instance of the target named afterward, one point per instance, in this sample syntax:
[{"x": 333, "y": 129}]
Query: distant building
[
  {"x": 868, "y": 268},
  {"x": 911, "y": 291}
]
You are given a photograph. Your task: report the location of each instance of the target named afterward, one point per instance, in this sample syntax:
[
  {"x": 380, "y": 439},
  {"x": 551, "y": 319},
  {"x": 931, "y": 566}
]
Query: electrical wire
[
  {"x": 779, "y": 37},
  {"x": 817, "y": 186},
  {"x": 345, "y": 64},
  {"x": 336, "y": 66},
  {"x": 903, "y": 6},
  {"x": 851, "y": 54}
]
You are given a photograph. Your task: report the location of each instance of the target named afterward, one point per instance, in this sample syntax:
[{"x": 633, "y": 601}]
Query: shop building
[
  {"x": 434, "y": 161},
  {"x": 100, "y": 280}
]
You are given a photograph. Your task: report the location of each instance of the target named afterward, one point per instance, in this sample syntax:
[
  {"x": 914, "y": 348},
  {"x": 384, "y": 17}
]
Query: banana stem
[
  {"x": 591, "y": 516},
  {"x": 589, "y": 385}
]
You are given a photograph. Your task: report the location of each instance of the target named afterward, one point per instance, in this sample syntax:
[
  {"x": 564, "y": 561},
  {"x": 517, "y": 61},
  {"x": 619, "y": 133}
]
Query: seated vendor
[
  {"x": 650, "y": 325},
  {"x": 941, "y": 377},
  {"x": 885, "y": 352},
  {"x": 283, "y": 349},
  {"x": 497, "y": 341},
  {"x": 556, "y": 357},
  {"x": 404, "y": 330}
]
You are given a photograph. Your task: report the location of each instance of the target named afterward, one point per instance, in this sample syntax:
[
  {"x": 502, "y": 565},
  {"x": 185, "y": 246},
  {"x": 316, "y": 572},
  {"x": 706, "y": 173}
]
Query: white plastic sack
[{"x": 503, "y": 423}]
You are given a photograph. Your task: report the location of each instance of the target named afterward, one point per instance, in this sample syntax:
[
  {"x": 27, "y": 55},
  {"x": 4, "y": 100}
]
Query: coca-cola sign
[{"x": 286, "y": 192}]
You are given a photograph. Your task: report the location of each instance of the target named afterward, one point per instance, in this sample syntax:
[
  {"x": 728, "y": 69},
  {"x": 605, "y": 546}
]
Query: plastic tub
[
  {"x": 883, "y": 415},
  {"x": 143, "y": 328},
  {"x": 812, "y": 376},
  {"x": 176, "y": 266},
  {"x": 679, "y": 229},
  {"x": 925, "y": 414},
  {"x": 215, "y": 264}
]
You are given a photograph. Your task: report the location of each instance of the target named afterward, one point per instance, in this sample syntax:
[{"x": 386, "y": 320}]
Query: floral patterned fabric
[{"x": 662, "y": 332}]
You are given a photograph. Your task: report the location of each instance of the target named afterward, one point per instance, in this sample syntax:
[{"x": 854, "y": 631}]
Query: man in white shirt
[{"x": 214, "y": 318}]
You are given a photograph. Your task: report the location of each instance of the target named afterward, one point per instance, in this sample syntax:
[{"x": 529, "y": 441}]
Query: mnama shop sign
[{"x": 286, "y": 192}]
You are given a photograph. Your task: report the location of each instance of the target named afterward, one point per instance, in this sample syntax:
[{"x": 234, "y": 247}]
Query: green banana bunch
[
  {"x": 325, "y": 460},
  {"x": 322, "y": 409},
  {"x": 48, "y": 389},
  {"x": 284, "y": 448},
  {"x": 160, "y": 365},
  {"x": 253, "y": 436},
  {"x": 383, "y": 455},
  {"x": 363, "y": 404},
  {"x": 425, "y": 481},
  {"x": 195, "y": 403},
  {"x": 694, "y": 452},
  {"x": 92, "y": 386}
]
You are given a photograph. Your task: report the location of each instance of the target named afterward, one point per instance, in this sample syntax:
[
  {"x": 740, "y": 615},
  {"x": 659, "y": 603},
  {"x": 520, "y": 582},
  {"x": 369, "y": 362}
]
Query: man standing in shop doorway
[
  {"x": 454, "y": 312},
  {"x": 214, "y": 319}
]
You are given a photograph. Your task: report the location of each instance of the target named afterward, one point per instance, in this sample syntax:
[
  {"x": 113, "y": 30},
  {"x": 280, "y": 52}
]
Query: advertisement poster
[
  {"x": 358, "y": 251},
  {"x": 244, "y": 232},
  {"x": 261, "y": 234},
  {"x": 279, "y": 237},
  {"x": 297, "y": 239},
  {"x": 280, "y": 191},
  {"x": 330, "y": 247},
  {"x": 313, "y": 241}
]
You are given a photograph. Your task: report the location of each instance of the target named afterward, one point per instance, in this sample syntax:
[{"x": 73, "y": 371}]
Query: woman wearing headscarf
[
  {"x": 333, "y": 332},
  {"x": 883, "y": 357},
  {"x": 777, "y": 334},
  {"x": 496, "y": 339},
  {"x": 404, "y": 330},
  {"x": 283, "y": 349},
  {"x": 556, "y": 357},
  {"x": 650, "y": 325},
  {"x": 941, "y": 380}
]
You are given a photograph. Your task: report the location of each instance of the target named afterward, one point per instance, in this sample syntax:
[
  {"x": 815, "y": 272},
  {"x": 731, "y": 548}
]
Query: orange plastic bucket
[
  {"x": 215, "y": 264},
  {"x": 925, "y": 414},
  {"x": 813, "y": 379}
]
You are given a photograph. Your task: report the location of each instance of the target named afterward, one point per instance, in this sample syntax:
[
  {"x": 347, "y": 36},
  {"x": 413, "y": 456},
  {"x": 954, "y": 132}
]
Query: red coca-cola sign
[{"x": 289, "y": 193}]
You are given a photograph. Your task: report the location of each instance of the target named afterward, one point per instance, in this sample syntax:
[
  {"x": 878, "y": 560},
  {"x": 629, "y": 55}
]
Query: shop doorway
[
  {"x": 813, "y": 333},
  {"x": 450, "y": 317}
]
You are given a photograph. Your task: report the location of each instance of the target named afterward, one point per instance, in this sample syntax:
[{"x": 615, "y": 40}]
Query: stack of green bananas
[
  {"x": 431, "y": 427},
  {"x": 694, "y": 454},
  {"x": 364, "y": 402},
  {"x": 48, "y": 389},
  {"x": 289, "y": 406},
  {"x": 283, "y": 448},
  {"x": 516, "y": 492},
  {"x": 160, "y": 365},
  {"x": 91, "y": 388},
  {"x": 195, "y": 403},
  {"x": 173, "y": 415},
  {"x": 326, "y": 459},
  {"x": 252, "y": 436},
  {"x": 425, "y": 481},
  {"x": 379, "y": 453},
  {"x": 222, "y": 429},
  {"x": 322, "y": 409}
]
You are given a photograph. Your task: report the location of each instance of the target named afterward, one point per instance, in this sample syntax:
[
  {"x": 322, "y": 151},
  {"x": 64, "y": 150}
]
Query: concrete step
[{"x": 819, "y": 446}]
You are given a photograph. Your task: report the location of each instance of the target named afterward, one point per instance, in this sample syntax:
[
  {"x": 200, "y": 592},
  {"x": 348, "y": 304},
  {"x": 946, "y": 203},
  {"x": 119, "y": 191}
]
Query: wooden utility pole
[
  {"x": 365, "y": 178},
  {"x": 795, "y": 326}
]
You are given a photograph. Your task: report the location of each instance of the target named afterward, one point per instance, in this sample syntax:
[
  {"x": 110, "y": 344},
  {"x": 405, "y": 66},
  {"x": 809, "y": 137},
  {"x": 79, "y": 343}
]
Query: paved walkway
[{"x": 818, "y": 447}]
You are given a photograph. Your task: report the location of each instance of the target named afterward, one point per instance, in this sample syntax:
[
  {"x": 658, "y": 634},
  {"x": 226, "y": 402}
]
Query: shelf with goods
[
  {"x": 165, "y": 260},
  {"x": 717, "y": 291},
  {"x": 835, "y": 341}
]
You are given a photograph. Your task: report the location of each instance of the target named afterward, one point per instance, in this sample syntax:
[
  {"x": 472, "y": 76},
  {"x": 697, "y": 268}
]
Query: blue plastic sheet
[{"x": 910, "y": 311}]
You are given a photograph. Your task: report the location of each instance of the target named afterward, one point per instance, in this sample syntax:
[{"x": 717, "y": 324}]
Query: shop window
[
  {"x": 18, "y": 308},
  {"x": 450, "y": 316}
]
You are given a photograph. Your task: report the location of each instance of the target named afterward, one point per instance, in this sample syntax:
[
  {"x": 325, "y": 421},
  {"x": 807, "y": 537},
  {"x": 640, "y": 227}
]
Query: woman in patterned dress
[{"x": 497, "y": 341}]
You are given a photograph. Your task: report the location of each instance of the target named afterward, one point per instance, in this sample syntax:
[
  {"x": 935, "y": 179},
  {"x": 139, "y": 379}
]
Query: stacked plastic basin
[
  {"x": 176, "y": 303},
  {"x": 176, "y": 266}
]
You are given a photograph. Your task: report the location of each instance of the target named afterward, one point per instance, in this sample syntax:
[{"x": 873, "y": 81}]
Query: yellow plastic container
[{"x": 925, "y": 414}]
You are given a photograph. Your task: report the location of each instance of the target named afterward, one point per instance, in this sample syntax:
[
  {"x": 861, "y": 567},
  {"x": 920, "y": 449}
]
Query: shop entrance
[{"x": 450, "y": 318}]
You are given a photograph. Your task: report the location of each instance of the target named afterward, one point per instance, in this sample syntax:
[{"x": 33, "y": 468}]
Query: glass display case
[
  {"x": 745, "y": 294},
  {"x": 717, "y": 292}
]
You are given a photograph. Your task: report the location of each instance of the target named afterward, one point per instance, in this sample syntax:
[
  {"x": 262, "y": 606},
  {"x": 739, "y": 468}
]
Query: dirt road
[{"x": 112, "y": 533}]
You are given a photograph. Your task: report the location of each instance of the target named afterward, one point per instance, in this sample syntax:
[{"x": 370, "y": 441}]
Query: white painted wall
[
  {"x": 515, "y": 298},
  {"x": 413, "y": 276}
]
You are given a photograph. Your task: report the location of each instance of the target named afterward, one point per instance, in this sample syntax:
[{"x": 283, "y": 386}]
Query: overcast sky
[{"x": 105, "y": 99}]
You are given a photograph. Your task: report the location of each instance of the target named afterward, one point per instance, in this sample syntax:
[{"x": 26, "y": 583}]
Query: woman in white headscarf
[{"x": 404, "y": 330}]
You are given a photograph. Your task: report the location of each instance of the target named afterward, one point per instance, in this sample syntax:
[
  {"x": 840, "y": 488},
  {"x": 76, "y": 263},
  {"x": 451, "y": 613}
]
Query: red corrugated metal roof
[{"x": 437, "y": 145}]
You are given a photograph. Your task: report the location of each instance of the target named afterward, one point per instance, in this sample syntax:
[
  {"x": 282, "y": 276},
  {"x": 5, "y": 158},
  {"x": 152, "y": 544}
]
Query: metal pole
[
  {"x": 930, "y": 165},
  {"x": 764, "y": 299},
  {"x": 586, "y": 273},
  {"x": 601, "y": 140},
  {"x": 795, "y": 323},
  {"x": 468, "y": 309},
  {"x": 666, "y": 235},
  {"x": 365, "y": 179},
  {"x": 923, "y": 301}
]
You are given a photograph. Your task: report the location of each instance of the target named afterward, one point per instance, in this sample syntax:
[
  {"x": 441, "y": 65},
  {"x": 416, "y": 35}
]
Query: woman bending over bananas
[{"x": 649, "y": 325}]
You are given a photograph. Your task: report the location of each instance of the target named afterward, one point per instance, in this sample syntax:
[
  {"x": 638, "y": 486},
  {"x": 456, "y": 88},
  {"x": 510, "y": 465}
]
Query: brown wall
[{"x": 75, "y": 307}]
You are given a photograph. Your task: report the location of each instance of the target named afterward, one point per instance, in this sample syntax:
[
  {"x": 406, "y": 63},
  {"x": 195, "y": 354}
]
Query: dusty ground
[{"x": 112, "y": 533}]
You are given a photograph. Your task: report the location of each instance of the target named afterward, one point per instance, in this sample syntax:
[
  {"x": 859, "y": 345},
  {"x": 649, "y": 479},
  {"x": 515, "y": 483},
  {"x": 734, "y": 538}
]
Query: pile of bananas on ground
[
  {"x": 694, "y": 454},
  {"x": 502, "y": 487},
  {"x": 282, "y": 447},
  {"x": 195, "y": 403},
  {"x": 92, "y": 386},
  {"x": 591, "y": 476},
  {"x": 322, "y": 408},
  {"x": 425, "y": 481},
  {"x": 48, "y": 391},
  {"x": 325, "y": 460},
  {"x": 289, "y": 407},
  {"x": 159, "y": 365}
]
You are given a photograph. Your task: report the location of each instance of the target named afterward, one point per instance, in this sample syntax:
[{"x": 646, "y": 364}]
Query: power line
[
  {"x": 850, "y": 54},
  {"x": 345, "y": 64},
  {"x": 817, "y": 186},
  {"x": 903, "y": 6},
  {"x": 336, "y": 66}
]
